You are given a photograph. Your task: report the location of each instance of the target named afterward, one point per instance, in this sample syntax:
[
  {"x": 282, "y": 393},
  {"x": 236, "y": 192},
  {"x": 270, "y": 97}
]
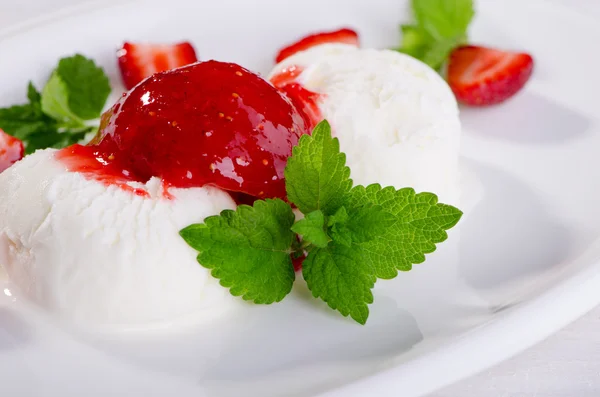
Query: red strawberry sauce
[{"x": 210, "y": 123}]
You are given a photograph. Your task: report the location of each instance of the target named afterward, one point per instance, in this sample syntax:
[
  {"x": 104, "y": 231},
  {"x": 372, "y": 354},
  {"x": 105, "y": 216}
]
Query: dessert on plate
[{"x": 193, "y": 176}]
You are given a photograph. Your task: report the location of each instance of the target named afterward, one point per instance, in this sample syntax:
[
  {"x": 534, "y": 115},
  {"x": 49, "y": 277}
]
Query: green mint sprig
[
  {"x": 59, "y": 116},
  {"x": 440, "y": 26},
  {"x": 352, "y": 235}
]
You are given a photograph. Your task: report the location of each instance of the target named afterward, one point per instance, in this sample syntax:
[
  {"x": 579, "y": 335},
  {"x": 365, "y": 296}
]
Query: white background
[{"x": 565, "y": 365}]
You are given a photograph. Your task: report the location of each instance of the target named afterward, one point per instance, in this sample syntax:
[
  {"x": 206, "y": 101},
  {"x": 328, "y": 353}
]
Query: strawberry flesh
[
  {"x": 304, "y": 99},
  {"x": 11, "y": 150},
  {"x": 140, "y": 61},
  {"x": 210, "y": 123},
  {"x": 344, "y": 36},
  {"x": 482, "y": 76}
]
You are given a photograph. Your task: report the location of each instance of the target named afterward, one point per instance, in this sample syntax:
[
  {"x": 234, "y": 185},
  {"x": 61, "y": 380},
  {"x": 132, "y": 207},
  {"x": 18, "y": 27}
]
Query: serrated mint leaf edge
[
  {"x": 246, "y": 294},
  {"x": 363, "y": 313},
  {"x": 312, "y": 229}
]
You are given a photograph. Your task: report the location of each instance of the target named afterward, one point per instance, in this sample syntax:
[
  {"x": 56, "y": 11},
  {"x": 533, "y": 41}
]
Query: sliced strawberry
[
  {"x": 139, "y": 61},
  {"x": 344, "y": 36},
  {"x": 11, "y": 150},
  {"x": 482, "y": 76},
  {"x": 303, "y": 99}
]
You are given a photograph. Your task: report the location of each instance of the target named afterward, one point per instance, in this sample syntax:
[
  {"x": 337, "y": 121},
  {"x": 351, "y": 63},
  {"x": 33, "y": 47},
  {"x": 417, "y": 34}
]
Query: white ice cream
[
  {"x": 101, "y": 255},
  {"x": 396, "y": 118}
]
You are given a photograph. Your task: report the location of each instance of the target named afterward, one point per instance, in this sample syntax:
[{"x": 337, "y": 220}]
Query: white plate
[{"x": 523, "y": 264}]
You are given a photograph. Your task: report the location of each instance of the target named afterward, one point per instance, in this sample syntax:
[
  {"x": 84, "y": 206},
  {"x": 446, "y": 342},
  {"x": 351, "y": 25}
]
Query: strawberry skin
[
  {"x": 482, "y": 76},
  {"x": 139, "y": 61},
  {"x": 11, "y": 150},
  {"x": 343, "y": 36}
]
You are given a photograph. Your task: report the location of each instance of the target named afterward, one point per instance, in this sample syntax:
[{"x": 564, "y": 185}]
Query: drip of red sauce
[
  {"x": 90, "y": 162},
  {"x": 210, "y": 123},
  {"x": 302, "y": 98}
]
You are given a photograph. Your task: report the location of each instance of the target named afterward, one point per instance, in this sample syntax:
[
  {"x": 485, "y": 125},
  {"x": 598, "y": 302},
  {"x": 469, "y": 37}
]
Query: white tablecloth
[{"x": 565, "y": 365}]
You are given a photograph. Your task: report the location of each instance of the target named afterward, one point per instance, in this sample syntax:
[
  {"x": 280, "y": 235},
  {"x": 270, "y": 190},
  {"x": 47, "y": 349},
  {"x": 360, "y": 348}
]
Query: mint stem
[{"x": 299, "y": 247}]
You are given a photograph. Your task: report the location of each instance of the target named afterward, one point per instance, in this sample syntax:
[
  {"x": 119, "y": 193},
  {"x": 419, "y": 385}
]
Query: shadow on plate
[
  {"x": 527, "y": 119},
  {"x": 267, "y": 343},
  {"x": 509, "y": 239},
  {"x": 14, "y": 332}
]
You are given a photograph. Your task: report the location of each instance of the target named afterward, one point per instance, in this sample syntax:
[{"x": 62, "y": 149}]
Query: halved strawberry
[
  {"x": 139, "y": 61},
  {"x": 482, "y": 76},
  {"x": 345, "y": 36},
  {"x": 11, "y": 150}
]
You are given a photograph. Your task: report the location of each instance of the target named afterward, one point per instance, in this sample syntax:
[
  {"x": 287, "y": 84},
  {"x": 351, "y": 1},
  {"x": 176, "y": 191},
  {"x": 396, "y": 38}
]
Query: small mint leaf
[
  {"x": 341, "y": 234},
  {"x": 443, "y": 19},
  {"x": 340, "y": 216},
  {"x": 33, "y": 94},
  {"x": 316, "y": 175},
  {"x": 312, "y": 229},
  {"x": 86, "y": 84},
  {"x": 441, "y": 26},
  {"x": 414, "y": 41},
  {"x": 36, "y": 129},
  {"x": 55, "y": 101},
  {"x": 52, "y": 138},
  {"x": 341, "y": 277},
  {"x": 437, "y": 53},
  {"x": 248, "y": 249},
  {"x": 21, "y": 121}
]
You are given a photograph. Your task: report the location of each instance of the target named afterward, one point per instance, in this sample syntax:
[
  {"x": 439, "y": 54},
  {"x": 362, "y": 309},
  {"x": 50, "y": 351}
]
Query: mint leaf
[
  {"x": 86, "y": 85},
  {"x": 76, "y": 91},
  {"x": 21, "y": 121},
  {"x": 341, "y": 277},
  {"x": 437, "y": 53},
  {"x": 316, "y": 175},
  {"x": 369, "y": 222},
  {"x": 248, "y": 249},
  {"x": 363, "y": 224},
  {"x": 421, "y": 222},
  {"x": 33, "y": 94},
  {"x": 312, "y": 229},
  {"x": 52, "y": 138},
  {"x": 441, "y": 26},
  {"x": 338, "y": 229},
  {"x": 443, "y": 19},
  {"x": 341, "y": 234},
  {"x": 55, "y": 101},
  {"x": 338, "y": 271},
  {"x": 414, "y": 41},
  {"x": 340, "y": 216}
]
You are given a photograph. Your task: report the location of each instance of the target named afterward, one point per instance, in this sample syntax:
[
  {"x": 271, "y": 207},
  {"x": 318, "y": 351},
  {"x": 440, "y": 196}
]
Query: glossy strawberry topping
[{"x": 210, "y": 123}]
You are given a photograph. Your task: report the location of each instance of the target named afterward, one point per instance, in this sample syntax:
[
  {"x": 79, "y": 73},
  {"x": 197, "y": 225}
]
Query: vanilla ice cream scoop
[
  {"x": 102, "y": 255},
  {"x": 396, "y": 118}
]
